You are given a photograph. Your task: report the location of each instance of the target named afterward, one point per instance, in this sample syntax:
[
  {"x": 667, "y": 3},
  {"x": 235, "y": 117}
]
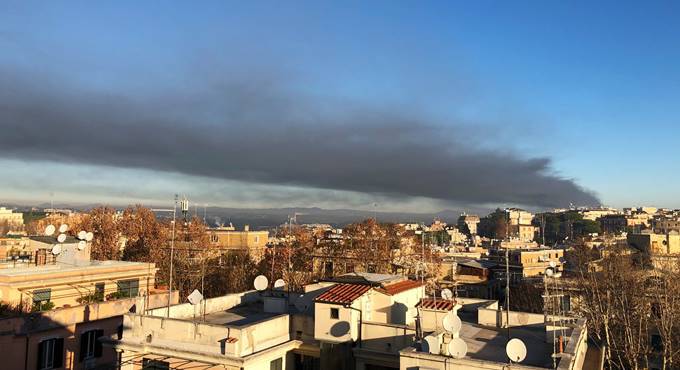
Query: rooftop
[
  {"x": 241, "y": 315},
  {"x": 343, "y": 293},
  {"x": 60, "y": 267}
]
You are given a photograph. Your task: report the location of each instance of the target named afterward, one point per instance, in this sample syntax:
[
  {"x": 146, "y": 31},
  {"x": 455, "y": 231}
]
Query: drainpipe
[{"x": 360, "y": 320}]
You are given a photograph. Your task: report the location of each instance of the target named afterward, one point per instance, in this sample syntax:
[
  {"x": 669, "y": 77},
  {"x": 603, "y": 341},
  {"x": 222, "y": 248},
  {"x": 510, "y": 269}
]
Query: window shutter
[
  {"x": 97, "y": 343},
  {"x": 83, "y": 346},
  {"x": 41, "y": 354},
  {"x": 58, "y": 352}
]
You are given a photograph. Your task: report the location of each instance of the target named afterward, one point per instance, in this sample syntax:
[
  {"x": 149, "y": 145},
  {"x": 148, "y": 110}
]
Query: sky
[{"x": 383, "y": 104}]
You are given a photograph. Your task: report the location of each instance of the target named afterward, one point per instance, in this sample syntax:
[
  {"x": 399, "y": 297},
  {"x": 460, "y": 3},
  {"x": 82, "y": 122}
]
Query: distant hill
[{"x": 260, "y": 218}]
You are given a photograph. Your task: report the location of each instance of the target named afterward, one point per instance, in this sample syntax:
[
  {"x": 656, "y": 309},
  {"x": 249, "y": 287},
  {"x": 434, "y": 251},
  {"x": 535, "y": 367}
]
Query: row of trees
[
  {"x": 136, "y": 234},
  {"x": 633, "y": 312}
]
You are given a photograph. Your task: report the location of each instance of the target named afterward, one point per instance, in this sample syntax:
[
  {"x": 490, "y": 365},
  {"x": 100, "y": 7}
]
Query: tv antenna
[{"x": 516, "y": 350}]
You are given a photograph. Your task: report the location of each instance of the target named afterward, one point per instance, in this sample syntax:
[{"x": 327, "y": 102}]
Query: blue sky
[{"x": 593, "y": 87}]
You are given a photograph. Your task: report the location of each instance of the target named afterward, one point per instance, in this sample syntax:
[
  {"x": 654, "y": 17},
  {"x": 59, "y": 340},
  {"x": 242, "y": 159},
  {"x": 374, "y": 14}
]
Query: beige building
[
  {"x": 528, "y": 263},
  {"x": 14, "y": 220},
  {"x": 468, "y": 223},
  {"x": 47, "y": 278},
  {"x": 655, "y": 244},
  {"x": 58, "y": 304},
  {"x": 519, "y": 224},
  {"x": 665, "y": 225},
  {"x": 593, "y": 214},
  {"x": 227, "y": 237}
]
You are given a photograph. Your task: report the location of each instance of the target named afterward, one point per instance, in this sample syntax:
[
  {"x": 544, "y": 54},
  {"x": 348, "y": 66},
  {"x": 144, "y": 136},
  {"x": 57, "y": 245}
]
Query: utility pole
[
  {"x": 507, "y": 279},
  {"x": 172, "y": 250}
]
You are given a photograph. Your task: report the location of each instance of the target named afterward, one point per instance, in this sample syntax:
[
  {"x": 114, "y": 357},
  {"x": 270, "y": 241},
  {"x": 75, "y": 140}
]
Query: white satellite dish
[
  {"x": 447, "y": 294},
  {"x": 56, "y": 249},
  {"x": 279, "y": 284},
  {"x": 89, "y": 236},
  {"x": 433, "y": 345},
  {"x": 549, "y": 272},
  {"x": 457, "y": 348},
  {"x": 195, "y": 297},
  {"x": 516, "y": 350},
  {"x": 82, "y": 234},
  {"x": 82, "y": 244},
  {"x": 301, "y": 303},
  {"x": 61, "y": 238},
  {"x": 63, "y": 228},
  {"x": 553, "y": 264},
  {"x": 452, "y": 323},
  {"x": 261, "y": 283},
  {"x": 50, "y": 229}
]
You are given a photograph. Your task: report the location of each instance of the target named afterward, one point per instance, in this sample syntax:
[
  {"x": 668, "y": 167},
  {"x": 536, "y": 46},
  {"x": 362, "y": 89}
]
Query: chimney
[{"x": 246, "y": 228}]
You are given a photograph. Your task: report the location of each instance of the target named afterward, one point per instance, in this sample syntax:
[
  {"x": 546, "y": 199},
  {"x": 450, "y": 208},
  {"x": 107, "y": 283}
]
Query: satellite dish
[
  {"x": 82, "y": 234},
  {"x": 82, "y": 244},
  {"x": 61, "y": 238},
  {"x": 300, "y": 303},
  {"x": 447, "y": 294},
  {"x": 457, "y": 348},
  {"x": 553, "y": 264},
  {"x": 516, "y": 350},
  {"x": 56, "y": 249},
  {"x": 562, "y": 260},
  {"x": 89, "y": 236},
  {"x": 50, "y": 229},
  {"x": 549, "y": 272},
  {"x": 261, "y": 283},
  {"x": 195, "y": 297},
  {"x": 279, "y": 284},
  {"x": 452, "y": 323},
  {"x": 63, "y": 228},
  {"x": 433, "y": 345}
]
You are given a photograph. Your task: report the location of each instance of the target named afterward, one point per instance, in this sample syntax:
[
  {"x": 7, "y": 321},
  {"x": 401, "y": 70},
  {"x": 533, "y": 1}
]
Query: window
[
  {"x": 148, "y": 364},
  {"x": 90, "y": 347},
  {"x": 51, "y": 354},
  {"x": 214, "y": 238},
  {"x": 41, "y": 298},
  {"x": 99, "y": 289},
  {"x": 335, "y": 313},
  {"x": 128, "y": 288},
  {"x": 276, "y": 364},
  {"x": 257, "y": 239}
]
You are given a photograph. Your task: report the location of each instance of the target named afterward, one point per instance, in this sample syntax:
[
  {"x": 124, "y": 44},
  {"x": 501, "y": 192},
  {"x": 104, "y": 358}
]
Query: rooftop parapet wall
[
  {"x": 186, "y": 310},
  {"x": 215, "y": 339},
  {"x": 63, "y": 317}
]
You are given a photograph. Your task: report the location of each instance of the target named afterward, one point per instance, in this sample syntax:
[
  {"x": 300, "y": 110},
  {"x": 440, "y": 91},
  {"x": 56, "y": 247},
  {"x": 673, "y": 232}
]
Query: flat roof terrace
[{"x": 238, "y": 316}]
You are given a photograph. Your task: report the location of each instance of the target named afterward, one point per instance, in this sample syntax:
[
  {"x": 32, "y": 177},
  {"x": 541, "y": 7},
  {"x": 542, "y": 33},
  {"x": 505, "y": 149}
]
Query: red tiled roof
[
  {"x": 402, "y": 286},
  {"x": 343, "y": 293},
  {"x": 436, "y": 304}
]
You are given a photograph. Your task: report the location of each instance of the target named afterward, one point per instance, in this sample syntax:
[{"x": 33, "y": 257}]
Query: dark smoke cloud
[{"x": 261, "y": 132}]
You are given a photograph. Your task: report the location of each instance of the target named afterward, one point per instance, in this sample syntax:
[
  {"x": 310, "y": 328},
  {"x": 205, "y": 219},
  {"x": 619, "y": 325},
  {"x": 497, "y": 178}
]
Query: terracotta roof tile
[
  {"x": 402, "y": 286},
  {"x": 436, "y": 304},
  {"x": 343, "y": 293}
]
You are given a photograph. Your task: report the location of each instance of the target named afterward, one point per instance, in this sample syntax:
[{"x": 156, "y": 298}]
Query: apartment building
[
  {"x": 468, "y": 224},
  {"x": 519, "y": 223},
  {"x": 528, "y": 263},
  {"x": 57, "y": 304},
  {"x": 655, "y": 244},
  {"x": 14, "y": 220},
  {"x": 246, "y": 240}
]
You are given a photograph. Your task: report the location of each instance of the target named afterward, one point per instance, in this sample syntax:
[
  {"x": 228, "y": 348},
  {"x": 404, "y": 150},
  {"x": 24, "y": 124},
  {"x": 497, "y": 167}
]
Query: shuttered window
[
  {"x": 51, "y": 354},
  {"x": 90, "y": 347}
]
